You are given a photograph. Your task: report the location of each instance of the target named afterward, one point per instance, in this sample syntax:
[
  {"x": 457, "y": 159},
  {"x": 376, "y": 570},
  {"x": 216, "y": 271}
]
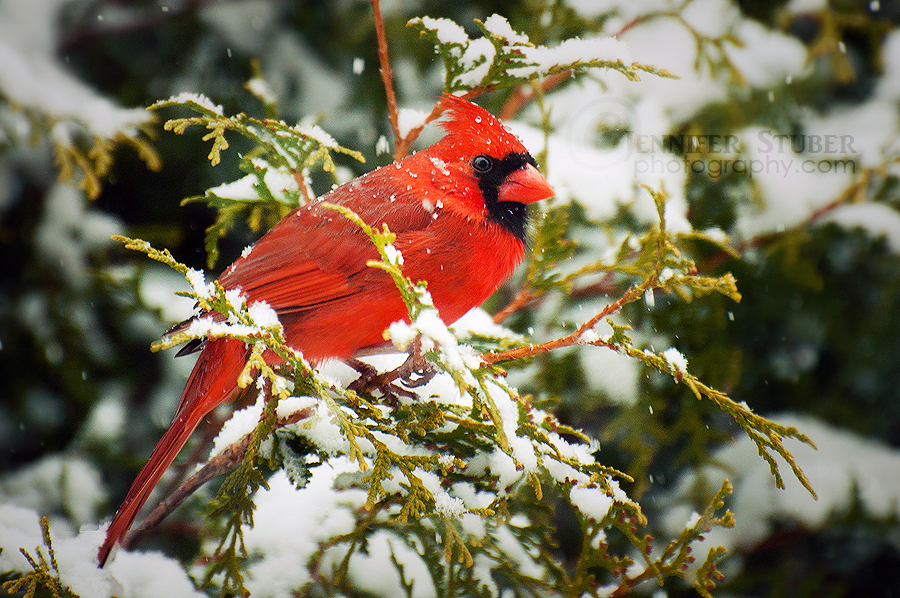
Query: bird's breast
[{"x": 463, "y": 261}]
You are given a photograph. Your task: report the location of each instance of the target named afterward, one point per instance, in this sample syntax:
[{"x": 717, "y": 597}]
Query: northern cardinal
[{"x": 458, "y": 209}]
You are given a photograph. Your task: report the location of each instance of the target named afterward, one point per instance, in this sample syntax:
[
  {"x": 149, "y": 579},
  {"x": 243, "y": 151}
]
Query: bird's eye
[{"x": 482, "y": 164}]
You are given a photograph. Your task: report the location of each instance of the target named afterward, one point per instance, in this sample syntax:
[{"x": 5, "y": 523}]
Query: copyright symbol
[{"x": 605, "y": 128}]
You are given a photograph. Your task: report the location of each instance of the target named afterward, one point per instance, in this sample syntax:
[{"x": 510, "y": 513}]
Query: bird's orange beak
[{"x": 525, "y": 185}]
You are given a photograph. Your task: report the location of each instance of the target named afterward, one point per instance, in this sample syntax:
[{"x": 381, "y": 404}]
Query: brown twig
[
  {"x": 518, "y": 302},
  {"x": 849, "y": 195},
  {"x": 228, "y": 458},
  {"x": 198, "y": 452},
  {"x": 403, "y": 144},
  {"x": 605, "y": 286},
  {"x": 387, "y": 77},
  {"x": 303, "y": 185},
  {"x": 642, "y": 19},
  {"x": 572, "y": 339},
  {"x": 524, "y": 94}
]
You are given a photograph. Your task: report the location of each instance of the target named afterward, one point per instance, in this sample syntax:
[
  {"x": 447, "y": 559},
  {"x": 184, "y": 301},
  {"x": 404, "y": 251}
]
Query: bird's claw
[{"x": 414, "y": 372}]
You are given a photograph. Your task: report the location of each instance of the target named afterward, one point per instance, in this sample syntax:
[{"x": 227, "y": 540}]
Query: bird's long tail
[{"x": 213, "y": 381}]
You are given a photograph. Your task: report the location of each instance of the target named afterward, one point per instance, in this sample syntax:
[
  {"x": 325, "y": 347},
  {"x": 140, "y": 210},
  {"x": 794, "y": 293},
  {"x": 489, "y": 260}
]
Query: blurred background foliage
[{"x": 817, "y": 331}]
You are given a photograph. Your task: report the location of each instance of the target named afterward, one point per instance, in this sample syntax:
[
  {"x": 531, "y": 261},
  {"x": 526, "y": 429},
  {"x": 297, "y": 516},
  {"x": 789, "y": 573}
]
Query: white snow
[
  {"x": 279, "y": 181},
  {"x": 675, "y": 359},
  {"x": 409, "y": 119},
  {"x": 564, "y": 473},
  {"x": 844, "y": 463},
  {"x": 394, "y": 257},
  {"x": 692, "y": 520},
  {"x": 791, "y": 187},
  {"x": 288, "y": 543},
  {"x": 767, "y": 56},
  {"x": 711, "y": 18},
  {"x": 592, "y": 502},
  {"x": 322, "y": 431},
  {"x": 69, "y": 232},
  {"x": 235, "y": 298},
  {"x": 498, "y": 25},
  {"x": 625, "y": 11},
  {"x": 804, "y": 6},
  {"x": 158, "y": 284},
  {"x": 149, "y": 575},
  {"x": 679, "y": 98},
  {"x": 128, "y": 575},
  {"x": 383, "y": 146},
  {"x": 318, "y": 133},
  {"x": 479, "y": 53},
  {"x": 33, "y": 78},
  {"x": 262, "y": 315},
  {"x": 862, "y": 133},
  {"x": 241, "y": 422},
  {"x": 196, "y": 98},
  {"x": 198, "y": 282},
  {"x": 447, "y": 31},
  {"x": 479, "y": 322},
  {"x": 434, "y": 334},
  {"x": 877, "y": 219},
  {"x": 440, "y": 165},
  {"x": 56, "y": 483},
  {"x": 888, "y": 86},
  {"x": 446, "y": 504},
  {"x": 258, "y": 87},
  {"x": 374, "y": 573},
  {"x": 107, "y": 417}
]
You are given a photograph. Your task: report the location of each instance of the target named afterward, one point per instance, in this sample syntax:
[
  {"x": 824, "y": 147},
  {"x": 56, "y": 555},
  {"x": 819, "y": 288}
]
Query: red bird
[{"x": 459, "y": 211}]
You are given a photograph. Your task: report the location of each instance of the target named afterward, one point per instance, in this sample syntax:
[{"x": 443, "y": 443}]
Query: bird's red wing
[{"x": 316, "y": 255}]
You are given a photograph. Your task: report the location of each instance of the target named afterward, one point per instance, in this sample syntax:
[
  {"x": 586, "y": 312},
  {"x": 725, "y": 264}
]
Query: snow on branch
[
  {"x": 277, "y": 172},
  {"x": 84, "y": 128},
  {"x": 503, "y": 57}
]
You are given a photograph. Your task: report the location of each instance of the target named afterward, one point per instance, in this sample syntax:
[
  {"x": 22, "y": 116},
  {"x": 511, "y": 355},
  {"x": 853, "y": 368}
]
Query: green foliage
[
  {"x": 484, "y": 422},
  {"x": 504, "y": 58},
  {"x": 44, "y": 574},
  {"x": 729, "y": 306},
  {"x": 652, "y": 261},
  {"x": 92, "y": 157},
  {"x": 277, "y": 170},
  {"x": 417, "y": 424},
  {"x": 659, "y": 265},
  {"x": 80, "y": 154}
]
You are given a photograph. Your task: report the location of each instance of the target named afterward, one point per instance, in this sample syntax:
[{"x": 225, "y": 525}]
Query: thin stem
[
  {"x": 404, "y": 144},
  {"x": 386, "y": 74},
  {"x": 519, "y": 301},
  {"x": 574, "y": 338},
  {"x": 228, "y": 458},
  {"x": 523, "y": 94}
]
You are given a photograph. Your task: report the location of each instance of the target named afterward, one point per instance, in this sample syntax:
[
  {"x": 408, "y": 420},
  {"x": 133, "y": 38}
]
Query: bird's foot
[{"x": 416, "y": 371}]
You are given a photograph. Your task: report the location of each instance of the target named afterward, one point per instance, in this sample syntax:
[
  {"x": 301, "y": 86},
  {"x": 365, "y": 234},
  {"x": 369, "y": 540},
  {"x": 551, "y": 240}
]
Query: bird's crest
[{"x": 471, "y": 125}]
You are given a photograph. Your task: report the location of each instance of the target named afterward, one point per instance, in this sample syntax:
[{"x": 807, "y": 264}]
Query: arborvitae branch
[{"x": 45, "y": 571}]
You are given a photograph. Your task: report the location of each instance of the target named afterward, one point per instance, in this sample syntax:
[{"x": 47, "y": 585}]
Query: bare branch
[
  {"x": 228, "y": 458},
  {"x": 386, "y": 74},
  {"x": 572, "y": 339},
  {"x": 519, "y": 301}
]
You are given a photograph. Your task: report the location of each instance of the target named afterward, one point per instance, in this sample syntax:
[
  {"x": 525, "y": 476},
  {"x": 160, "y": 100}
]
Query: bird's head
[{"x": 485, "y": 167}]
